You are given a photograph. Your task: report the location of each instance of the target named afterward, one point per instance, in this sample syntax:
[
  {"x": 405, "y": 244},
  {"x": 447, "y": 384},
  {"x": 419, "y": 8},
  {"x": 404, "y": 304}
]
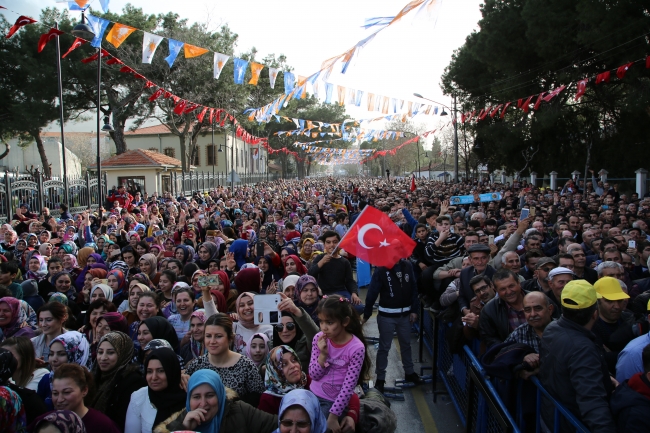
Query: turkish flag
[
  {"x": 582, "y": 88},
  {"x": 47, "y": 37},
  {"x": 76, "y": 44},
  {"x": 413, "y": 187},
  {"x": 376, "y": 239},
  {"x": 20, "y": 22}
]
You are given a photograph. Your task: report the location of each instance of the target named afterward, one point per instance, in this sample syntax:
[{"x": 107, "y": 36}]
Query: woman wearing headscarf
[
  {"x": 207, "y": 251},
  {"x": 298, "y": 405},
  {"x": 240, "y": 250},
  {"x": 307, "y": 295},
  {"x": 184, "y": 254},
  {"x": 37, "y": 268},
  {"x": 68, "y": 348},
  {"x": 16, "y": 320},
  {"x": 256, "y": 350},
  {"x": 295, "y": 330},
  {"x": 211, "y": 408},
  {"x": 157, "y": 327},
  {"x": 149, "y": 266},
  {"x": 195, "y": 348},
  {"x": 135, "y": 290},
  {"x": 70, "y": 265},
  {"x": 163, "y": 395},
  {"x": 272, "y": 273},
  {"x": 65, "y": 421},
  {"x": 246, "y": 327},
  {"x": 117, "y": 282},
  {"x": 34, "y": 405},
  {"x": 228, "y": 292},
  {"x": 248, "y": 280},
  {"x": 12, "y": 411},
  {"x": 293, "y": 265},
  {"x": 115, "y": 376}
]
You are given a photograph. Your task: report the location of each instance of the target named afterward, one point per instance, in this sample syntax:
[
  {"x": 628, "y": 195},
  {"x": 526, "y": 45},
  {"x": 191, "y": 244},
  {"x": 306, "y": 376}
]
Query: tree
[
  {"x": 405, "y": 159},
  {"x": 28, "y": 84},
  {"x": 526, "y": 47}
]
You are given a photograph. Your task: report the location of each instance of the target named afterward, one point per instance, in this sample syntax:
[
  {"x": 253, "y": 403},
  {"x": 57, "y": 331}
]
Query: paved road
[{"x": 417, "y": 413}]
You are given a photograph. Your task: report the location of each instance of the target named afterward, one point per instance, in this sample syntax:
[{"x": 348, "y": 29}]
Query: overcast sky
[{"x": 408, "y": 57}]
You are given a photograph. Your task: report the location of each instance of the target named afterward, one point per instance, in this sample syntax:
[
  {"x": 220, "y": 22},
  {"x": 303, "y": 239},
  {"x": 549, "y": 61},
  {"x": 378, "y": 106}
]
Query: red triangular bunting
[
  {"x": 76, "y": 44},
  {"x": 156, "y": 95},
  {"x": 622, "y": 70},
  {"x": 20, "y": 22},
  {"x": 603, "y": 77},
  {"x": 47, "y": 37}
]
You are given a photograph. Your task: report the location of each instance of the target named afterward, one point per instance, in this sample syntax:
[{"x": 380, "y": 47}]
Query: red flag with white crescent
[
  {"x": 376, "y": 239},
  {"x": 413, "y": 186},
  {"x": 76, "y": 44},
  {"x": 47, "y": 37},
  {"x": 20, "y": 22}
]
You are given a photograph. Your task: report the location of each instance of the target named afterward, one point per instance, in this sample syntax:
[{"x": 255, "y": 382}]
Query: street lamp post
[
  {"x": 63, "y": 156},
  {"x": 455, "y": 113},
  {"x": 232, "y": 159}
]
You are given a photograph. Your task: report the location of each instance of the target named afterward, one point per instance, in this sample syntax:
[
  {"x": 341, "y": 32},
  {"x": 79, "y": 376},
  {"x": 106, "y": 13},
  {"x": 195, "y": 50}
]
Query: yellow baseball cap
[
  {"x": 578, "y": 295},
  {"x": 610, "y": 289}
]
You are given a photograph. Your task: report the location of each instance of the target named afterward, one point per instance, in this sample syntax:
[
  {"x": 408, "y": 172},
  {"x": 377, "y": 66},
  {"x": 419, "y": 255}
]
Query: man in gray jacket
[{"x": 572, "y": 365}]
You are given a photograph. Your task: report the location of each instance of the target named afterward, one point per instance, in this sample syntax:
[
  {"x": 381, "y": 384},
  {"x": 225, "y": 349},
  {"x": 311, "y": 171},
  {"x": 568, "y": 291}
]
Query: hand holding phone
[{"x": 266, "y": 310}]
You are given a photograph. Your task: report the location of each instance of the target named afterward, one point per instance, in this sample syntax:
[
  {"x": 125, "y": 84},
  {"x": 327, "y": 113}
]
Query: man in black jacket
[
  {"x": 573, "y": 368},
  {"x": 398, "y": 307},
  {"x": 479, "y": 256},
  {"x": 504, "y": 314}
]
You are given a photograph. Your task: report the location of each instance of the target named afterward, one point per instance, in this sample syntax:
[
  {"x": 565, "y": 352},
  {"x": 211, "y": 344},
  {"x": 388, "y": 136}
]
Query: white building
[
  {"x": 19, "y": 157},
  {"x": 248, "y": 158}
]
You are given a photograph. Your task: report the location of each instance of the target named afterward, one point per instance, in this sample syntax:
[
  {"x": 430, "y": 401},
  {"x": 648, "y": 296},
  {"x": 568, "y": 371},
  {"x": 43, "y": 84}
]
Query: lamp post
[
  {"x": 63, "y": 156},
  {"x": 455, "y": 113},
  {"x": 232, "y": 159}
]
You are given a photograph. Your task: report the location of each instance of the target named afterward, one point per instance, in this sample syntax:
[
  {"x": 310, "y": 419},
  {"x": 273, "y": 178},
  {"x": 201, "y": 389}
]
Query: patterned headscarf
[
  {"x": 12, "y": 411},
  {"x": 61, "y": 298},
  {"x": 42, "y": 271},
  {"x": 18, "y": 317},
  {"x": 116, "y": 321},
  {"x": 274, "y": 380},
  {"x": 64, "y": 420},
  {"x": 70, "y": 248},
  {"x": 157, "y": 343},
  {"x": 121, "y": 280},
  {"x": 76, "y": 346},
  {"x": 301, "y": 283},
  {"x": 197, "y": 347},
  {"x": 73, "y": 260}
]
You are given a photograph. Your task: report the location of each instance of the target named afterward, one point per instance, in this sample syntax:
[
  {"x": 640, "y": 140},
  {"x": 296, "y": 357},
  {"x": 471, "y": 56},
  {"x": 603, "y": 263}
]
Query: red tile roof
[
  {"x": 148, "y": 130},
  {"x": 140, "y": 157}
]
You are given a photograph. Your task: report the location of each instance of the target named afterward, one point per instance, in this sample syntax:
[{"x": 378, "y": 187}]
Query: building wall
[
  {"x": 29, "y": 156},
  {"x": 243, "y": 152},
  {"x": 153, "y": 177}
]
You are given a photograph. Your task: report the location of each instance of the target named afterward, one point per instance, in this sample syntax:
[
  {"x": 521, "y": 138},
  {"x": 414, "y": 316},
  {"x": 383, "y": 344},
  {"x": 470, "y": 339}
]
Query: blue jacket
[{"x": 409, "y": 219}]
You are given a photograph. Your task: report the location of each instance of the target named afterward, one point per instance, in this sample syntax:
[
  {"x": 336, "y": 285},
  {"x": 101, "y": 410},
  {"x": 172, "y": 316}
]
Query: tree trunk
[
  {"x": 117, "y": 135},
  {"x": 7, "y": 149},
  {"x": 47, "y": 170},
  {"x": 184, "y": 158}
]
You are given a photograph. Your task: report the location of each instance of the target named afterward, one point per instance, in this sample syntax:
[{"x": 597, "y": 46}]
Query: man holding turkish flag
[{"x": 376, "y": 239}]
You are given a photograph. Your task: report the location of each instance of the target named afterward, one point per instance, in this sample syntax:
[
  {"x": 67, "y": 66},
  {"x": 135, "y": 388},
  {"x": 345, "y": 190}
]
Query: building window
[
  {"x": 211, "y": 154},
  {"x": 153, "y": 149},
  {"x": 170, "y": 151},
  {"x": 196, "y": 157}
]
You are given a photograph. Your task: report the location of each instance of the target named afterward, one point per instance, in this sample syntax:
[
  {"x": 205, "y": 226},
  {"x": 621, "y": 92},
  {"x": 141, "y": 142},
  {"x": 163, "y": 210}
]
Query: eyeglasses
[
  {"x": 290, "y": 423},
  {"x": 290, "y": 327},
  {"x": 481, "y": 289}
]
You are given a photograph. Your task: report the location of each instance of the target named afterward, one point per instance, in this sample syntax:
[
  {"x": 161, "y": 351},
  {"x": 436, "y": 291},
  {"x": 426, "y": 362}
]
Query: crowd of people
[{"x": 142, "y": 317}]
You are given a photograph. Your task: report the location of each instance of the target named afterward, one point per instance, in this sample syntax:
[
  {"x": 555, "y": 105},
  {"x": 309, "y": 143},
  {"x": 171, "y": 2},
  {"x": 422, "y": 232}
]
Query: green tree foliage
[
  {"x": 405, "y": 159},
  {"x": 28, "y": 83},
  {"x": 525, "y": 47}
]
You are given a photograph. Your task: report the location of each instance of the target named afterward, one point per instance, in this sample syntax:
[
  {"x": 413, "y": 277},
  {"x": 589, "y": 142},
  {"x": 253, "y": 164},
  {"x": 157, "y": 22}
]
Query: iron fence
[{"x": 479, "y": 400}]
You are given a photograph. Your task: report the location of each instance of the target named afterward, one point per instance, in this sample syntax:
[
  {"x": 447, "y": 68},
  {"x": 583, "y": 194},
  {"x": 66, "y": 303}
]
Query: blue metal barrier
[{"x": 463, "y": 375}]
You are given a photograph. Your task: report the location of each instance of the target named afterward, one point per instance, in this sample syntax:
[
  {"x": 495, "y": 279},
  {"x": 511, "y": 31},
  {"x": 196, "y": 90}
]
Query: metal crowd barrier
[{"x": 474, "y": 394}]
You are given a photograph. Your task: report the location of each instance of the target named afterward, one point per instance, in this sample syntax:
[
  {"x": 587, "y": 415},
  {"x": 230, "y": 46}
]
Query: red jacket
[{"x": 124, "y": 200}]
